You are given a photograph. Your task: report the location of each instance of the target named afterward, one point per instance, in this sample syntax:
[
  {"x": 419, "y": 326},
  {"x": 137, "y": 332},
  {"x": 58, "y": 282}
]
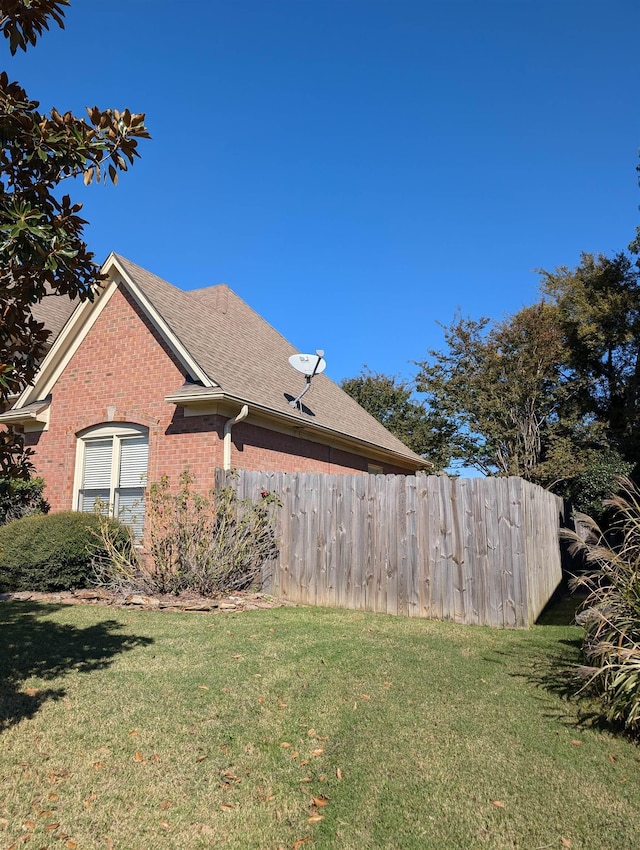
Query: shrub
[
  {"x": 20, "y": 498},
  {"x": 611, "y": 612},
  {"x": 52, "y": 552},
  {"x": 210, "y": 544}
]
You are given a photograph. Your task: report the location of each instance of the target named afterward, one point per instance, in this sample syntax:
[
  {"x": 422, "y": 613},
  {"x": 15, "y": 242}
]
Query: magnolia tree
[{"x": 42, "y": 249}]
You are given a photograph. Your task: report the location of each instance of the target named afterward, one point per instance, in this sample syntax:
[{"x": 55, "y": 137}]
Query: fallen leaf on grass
[
  {"x": 53, "y": 797},
  {"x": 29, "y": 825},
  {"x": 238, "y": 655},
  {"x": 98, "y": 765},
  {"x": 387, "y": 684},
  {"x": 306, "y": 779},
  {"x": 138, "y": 756},
  {"x": 318, "y": 751},
  {"x": 298, "y": 844},
  {"x": 338, "y": 773},
  {"x": 109, "y": 843},
  {"x": 165, "y": 824},
  {"x": 365, "y": 696},
  {"x": 203, "y": 688},
  {"x": 315, "y": 818},
  {"x": 226, "y": 807},
  {"x": 498, "y": 804},
  {"x": 4, "y": 822},
  {"x": 70, "y": 845},
  {"x": 566, "y": 842},
  {"x": 321, "y": 801},
  {"x": 260, "y": 699},
  {"x": 31, "y": 692},
  {"x": 311, "y": 733},
  {"x": 164, "y": 805},
  {"x": 201, "y": 758},
  {"x": 576, "y": 743},
  {"x": 304, "y": 762},
  {"x": 285, "y": 744},
  {"x": 612, "y": 758},
  {"x": 51, "y": 827},
  {"x": 133, "y": 733}
]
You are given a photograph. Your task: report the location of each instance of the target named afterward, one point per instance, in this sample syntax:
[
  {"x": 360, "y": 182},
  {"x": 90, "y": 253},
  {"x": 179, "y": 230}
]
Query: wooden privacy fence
[{"x": 480, "y": 551}]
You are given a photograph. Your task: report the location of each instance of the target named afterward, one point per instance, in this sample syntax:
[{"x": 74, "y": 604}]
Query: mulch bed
[{"x": 241, "y": 601}]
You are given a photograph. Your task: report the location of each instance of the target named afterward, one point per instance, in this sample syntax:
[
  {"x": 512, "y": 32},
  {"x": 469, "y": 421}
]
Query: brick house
[{"x": 149, "y": 379}]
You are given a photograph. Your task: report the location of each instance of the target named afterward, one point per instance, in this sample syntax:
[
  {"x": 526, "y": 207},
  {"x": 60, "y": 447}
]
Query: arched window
[{"x": 111, "y": 470}]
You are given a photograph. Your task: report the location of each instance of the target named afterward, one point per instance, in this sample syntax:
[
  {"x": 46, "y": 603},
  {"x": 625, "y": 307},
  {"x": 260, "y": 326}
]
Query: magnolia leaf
[
  {"x": 498, "y": 804},
  {"x": 315, "y": 818},
  {"x": 566, "y": 842},
  {"x": 338, "y": 773}
]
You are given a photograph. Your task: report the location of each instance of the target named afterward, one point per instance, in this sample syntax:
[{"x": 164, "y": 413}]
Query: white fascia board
[
  {"x": 175, "y": 345},
  {"x": 82, "y": 320}
]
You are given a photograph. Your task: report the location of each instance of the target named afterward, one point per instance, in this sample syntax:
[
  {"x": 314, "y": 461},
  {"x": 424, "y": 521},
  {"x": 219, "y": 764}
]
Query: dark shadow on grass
[
  {"x": 33, "y": 647},
  {"x": 560, "y": 670}
]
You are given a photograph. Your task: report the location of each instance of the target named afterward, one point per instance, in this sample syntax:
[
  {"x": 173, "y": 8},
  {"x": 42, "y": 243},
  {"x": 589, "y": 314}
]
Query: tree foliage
[
  {"x": 391, "y": 401},
  {"x": 552, "y": 392},
  {"x": 598, "y": 306},
  {"x": 503, "y": 389},
  {"x": 42, "y": 248}
]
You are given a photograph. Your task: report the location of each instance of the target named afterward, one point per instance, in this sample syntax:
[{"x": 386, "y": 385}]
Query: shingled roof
[{"x": 246, "y": 359}]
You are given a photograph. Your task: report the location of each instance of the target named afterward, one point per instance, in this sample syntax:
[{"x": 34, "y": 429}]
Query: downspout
[{"x": 228, "y": 425}]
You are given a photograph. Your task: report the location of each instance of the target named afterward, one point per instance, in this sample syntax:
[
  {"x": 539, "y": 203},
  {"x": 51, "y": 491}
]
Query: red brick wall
[{"x": 124, "y": 365}]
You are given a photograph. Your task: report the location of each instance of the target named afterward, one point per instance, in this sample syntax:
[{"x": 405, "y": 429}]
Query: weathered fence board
[{"x": 480, "y": 551}]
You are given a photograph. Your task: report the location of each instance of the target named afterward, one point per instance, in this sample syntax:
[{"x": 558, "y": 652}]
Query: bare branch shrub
[{"x": 210, "y": 544}]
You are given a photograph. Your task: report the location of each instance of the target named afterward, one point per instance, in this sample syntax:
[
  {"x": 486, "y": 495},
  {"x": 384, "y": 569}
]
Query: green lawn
[{"x": 298, "y": 728}]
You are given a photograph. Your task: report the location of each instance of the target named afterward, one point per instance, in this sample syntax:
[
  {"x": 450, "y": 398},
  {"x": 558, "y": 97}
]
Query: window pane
[
  {"x": 134, "y": 455},
  {"x": 88, "y": 499},
  {"x": 129, "y": 507},
  {"x": 97, "y": 465}
]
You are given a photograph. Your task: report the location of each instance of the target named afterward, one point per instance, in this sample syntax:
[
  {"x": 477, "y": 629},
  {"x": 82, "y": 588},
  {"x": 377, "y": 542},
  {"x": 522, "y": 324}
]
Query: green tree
[
  {"x": 391, "y": 401},
  {"x": 505, "y": 393},
  {"x": 598, "y": 304},
  {"x": 42, "y": 249}
]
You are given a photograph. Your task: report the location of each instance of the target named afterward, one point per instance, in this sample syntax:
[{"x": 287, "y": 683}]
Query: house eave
[
  {"x": 33, "y": 417},
  {"x": 218, "y": 401}
]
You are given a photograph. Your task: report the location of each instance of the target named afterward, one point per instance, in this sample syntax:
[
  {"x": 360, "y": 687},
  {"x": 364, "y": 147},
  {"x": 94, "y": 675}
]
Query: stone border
[{"x": 161, "y": 602}]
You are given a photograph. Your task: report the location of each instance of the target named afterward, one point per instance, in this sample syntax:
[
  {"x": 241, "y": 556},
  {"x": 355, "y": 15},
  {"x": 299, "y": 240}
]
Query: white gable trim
[
  {"x": 160, "y": 324},
  {"x": 82, "y": 320}
]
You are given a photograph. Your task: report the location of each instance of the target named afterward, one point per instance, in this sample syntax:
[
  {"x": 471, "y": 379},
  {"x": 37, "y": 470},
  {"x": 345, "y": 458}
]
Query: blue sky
[{"x": 357, "y": 170}]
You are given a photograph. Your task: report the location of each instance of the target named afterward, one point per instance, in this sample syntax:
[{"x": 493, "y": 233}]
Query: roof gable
[{"x": 228, "y": 350}]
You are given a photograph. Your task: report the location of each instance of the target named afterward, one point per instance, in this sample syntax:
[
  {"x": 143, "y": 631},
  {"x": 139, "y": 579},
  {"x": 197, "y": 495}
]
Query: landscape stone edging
[{"x": 101, "y": 596}]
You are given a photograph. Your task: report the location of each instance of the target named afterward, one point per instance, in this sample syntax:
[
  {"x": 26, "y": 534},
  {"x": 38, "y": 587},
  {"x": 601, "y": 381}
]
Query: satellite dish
[{"x": 309, "y": 365}]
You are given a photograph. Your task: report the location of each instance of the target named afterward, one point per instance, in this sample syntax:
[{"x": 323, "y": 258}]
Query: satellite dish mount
[{"x": 310, "y": 365}]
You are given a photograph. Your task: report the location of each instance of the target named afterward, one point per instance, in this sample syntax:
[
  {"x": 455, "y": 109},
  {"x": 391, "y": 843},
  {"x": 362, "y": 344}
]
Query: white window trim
[{"x": 116, "y": 431}]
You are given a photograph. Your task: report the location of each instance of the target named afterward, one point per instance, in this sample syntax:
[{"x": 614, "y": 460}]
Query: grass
[{"x": 298, "y": 728}]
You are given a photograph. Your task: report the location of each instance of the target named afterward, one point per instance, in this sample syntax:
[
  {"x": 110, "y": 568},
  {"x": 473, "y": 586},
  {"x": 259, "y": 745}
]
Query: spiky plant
[{"x": 611, "y": 612}]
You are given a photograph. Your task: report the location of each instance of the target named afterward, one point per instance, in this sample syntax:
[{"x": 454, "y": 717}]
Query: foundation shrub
[
  {"x": 19, "y": 498},
  {"x": 52, "y": 552}
]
